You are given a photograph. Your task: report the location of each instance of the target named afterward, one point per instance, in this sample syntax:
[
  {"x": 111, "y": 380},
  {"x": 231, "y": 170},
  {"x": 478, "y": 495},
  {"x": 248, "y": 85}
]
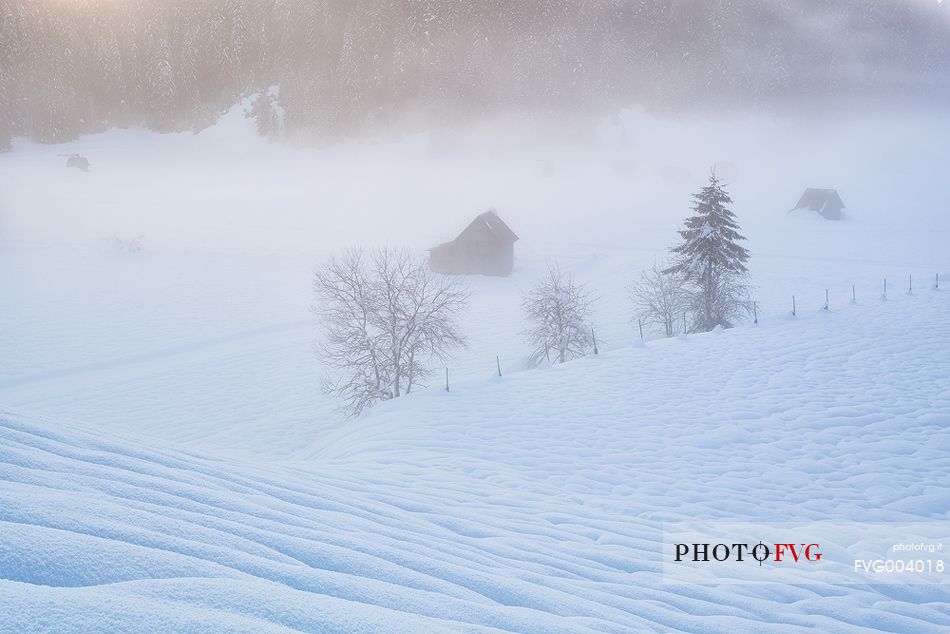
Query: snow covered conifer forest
[
  {"x": 417, "y": 316},
  {"x": 344, "y": 66}
]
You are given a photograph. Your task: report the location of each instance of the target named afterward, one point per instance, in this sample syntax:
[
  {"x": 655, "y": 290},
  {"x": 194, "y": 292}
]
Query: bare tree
[
  {"x": 387, "y": 319},
  {"x": 558, "y": 311},
  {"x": 660, "y": 297}
]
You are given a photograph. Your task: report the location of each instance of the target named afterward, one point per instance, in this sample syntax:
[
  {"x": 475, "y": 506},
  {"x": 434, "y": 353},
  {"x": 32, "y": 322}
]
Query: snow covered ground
[
  {"x": 168, "y": 462},
  {"x": 530, "y": 503}
]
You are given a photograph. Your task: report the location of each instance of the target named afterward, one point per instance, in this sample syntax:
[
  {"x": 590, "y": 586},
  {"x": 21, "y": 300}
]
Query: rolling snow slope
[{"x": 529, "y": 503}]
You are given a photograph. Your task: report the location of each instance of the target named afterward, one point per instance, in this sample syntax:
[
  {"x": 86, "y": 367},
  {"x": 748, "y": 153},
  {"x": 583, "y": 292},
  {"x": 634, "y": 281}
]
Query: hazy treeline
[{"x": 344, "y": 66}]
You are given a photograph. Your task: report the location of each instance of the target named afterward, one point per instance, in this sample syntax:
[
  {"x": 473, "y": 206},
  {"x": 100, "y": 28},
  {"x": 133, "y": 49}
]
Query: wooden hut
[
  {"x": 77, "y": 161},
  {"x": 826, "y": 202},
  {"x": 485, "y": 247}
]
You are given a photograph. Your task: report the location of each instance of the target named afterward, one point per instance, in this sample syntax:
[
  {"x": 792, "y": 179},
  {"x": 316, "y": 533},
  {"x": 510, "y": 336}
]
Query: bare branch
[
  {"x": 387, "y": 319},
  {"x": 660, "y": 298},
  {"x": 558, "y": 311}
]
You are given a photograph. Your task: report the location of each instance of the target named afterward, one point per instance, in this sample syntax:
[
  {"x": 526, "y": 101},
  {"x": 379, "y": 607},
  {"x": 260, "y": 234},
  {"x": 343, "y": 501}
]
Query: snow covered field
[
  {"x": 168, "y": 462},
  {"x": 530, "y": 503}
]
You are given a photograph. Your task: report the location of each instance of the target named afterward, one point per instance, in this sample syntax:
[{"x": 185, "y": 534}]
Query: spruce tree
[
  {"x": 712, "y": 261},
  {"x": 264, "y": 111},
  {"x": 6, "y": 124},
  {"x": 161, "y": 87}
]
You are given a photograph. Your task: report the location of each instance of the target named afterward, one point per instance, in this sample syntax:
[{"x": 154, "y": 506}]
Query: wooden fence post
[
  {"x": 446, "y": 379},
  {"x": 498, "y": 362},
  {"x": 793, "y": 306}
]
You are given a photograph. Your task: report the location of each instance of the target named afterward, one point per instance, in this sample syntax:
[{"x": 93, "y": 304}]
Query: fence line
[{"x": 755, "y": 318}]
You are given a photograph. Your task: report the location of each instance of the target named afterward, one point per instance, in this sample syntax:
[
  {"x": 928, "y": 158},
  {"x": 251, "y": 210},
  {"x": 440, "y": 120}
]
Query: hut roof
[
  {"x": 495, "y": 225},
  {"x": 816, "y": 199}
]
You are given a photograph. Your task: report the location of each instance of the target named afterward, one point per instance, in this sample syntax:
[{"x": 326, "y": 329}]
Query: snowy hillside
[
  {"x": 474, "y": 316},
  {"x": 169, "y": 463},
  {"x": 534, "y": 502}
]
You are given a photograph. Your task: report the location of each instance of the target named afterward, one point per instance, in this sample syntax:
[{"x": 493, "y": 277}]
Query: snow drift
[{"x": 532, "y": 503}]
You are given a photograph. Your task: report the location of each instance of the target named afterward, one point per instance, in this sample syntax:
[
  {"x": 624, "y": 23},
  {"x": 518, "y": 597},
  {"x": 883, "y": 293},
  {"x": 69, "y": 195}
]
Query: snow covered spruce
[{"x": 712, "y": 261}]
